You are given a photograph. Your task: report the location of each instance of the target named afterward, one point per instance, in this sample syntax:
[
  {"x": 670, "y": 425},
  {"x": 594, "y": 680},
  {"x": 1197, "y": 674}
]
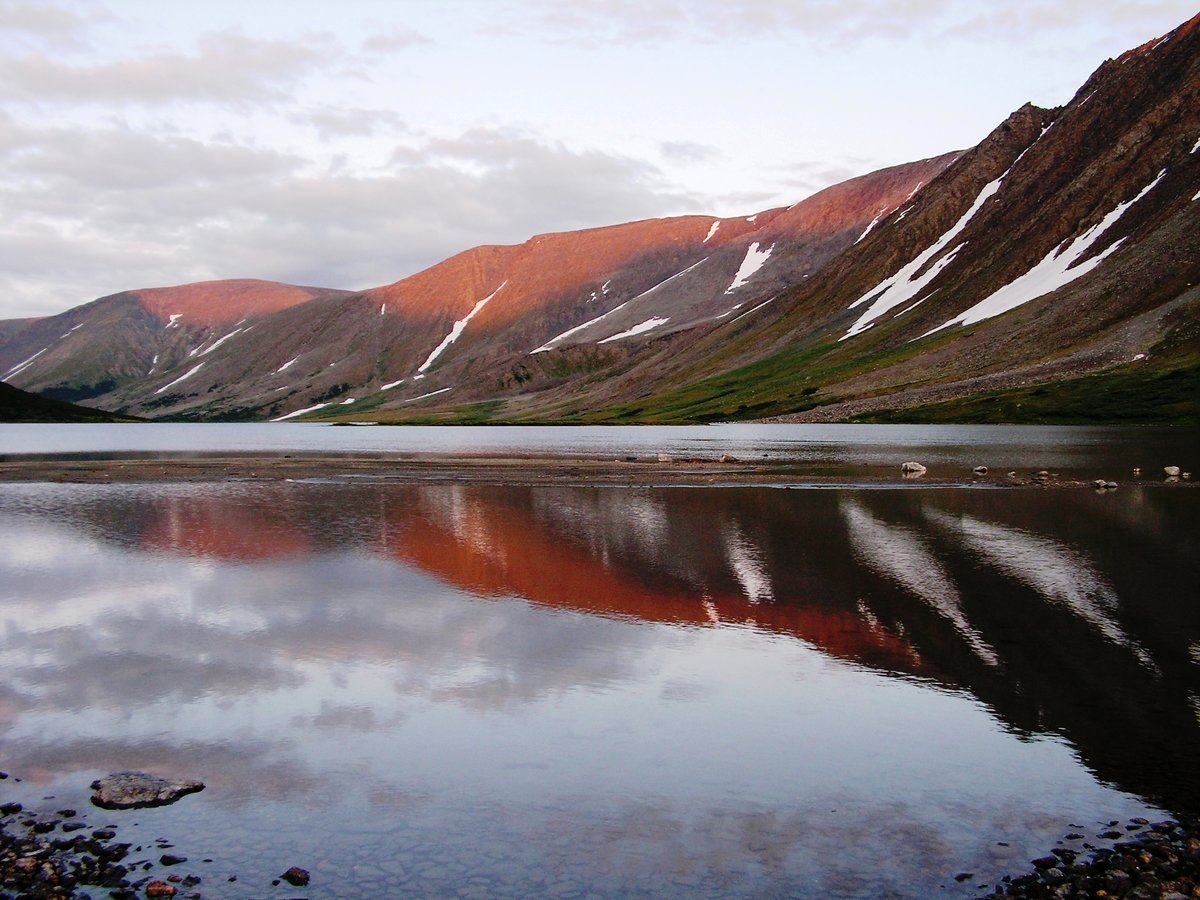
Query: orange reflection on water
[
  {"x": 502, "y": 549},
  {"x": 221, "y": 528}
]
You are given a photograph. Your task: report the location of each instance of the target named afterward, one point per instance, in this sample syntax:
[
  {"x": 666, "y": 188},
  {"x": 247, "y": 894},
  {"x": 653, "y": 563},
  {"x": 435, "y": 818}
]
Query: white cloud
[
  {"x": 684, "y": 152},
  {"x": 604, "y": 21},
  {"x": 25, "y": 24},
  {"x": 332, "y": 122},
  {"x": 114, "y": 209},
  {"x": 393, "y": 40},
  {"x": 227, "y": 67}
]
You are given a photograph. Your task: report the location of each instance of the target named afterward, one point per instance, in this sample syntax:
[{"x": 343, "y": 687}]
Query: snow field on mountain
[
  {"x": 300, "y": 412},
  {"x": 754, "y": 260},
  {"x": 906, "y": 284},
  {"x": 550, "y": 344},
  {"x": 184, "y": 377},
  {"x": 641, "y": 328},
  {"x": 459, "y": 327},
  {"x": 1059, "y": 268}
]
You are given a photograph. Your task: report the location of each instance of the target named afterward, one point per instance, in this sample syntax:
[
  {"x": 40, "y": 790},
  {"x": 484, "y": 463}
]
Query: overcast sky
[{"x": 350, "y": 143}]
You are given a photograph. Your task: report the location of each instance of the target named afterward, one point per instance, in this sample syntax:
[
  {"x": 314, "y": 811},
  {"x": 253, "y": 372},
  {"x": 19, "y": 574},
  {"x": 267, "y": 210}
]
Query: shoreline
[{"x": 522, "y": 470}]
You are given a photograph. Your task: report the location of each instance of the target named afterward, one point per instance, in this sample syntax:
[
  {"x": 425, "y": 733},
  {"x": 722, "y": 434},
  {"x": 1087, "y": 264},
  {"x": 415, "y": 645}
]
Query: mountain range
[{"x": 1050, "y": 273}]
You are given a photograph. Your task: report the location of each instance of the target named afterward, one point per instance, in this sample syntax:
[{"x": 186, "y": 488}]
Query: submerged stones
[{"x": 135, "y": 790}]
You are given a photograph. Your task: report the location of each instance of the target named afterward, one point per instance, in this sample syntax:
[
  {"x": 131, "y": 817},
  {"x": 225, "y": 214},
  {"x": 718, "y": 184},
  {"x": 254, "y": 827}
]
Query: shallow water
[
  {"x": 441, "y": 690},
  {"x": 1083, "y": 452}
]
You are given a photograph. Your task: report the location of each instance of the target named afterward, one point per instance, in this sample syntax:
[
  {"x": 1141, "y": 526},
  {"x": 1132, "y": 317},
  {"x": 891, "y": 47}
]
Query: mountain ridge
[{"x": 1061, "y": 247}]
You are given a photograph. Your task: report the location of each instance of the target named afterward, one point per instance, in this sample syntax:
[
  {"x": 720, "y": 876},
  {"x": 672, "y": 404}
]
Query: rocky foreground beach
[{"x": 60, "y": 854}]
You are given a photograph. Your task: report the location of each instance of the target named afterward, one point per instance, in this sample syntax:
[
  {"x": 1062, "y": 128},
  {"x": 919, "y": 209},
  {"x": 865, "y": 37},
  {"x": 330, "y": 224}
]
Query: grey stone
[{"x": 134, "y": 790}]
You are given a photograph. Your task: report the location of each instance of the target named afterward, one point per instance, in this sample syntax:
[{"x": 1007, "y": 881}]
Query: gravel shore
[
  {"x": 1153, "y": 861},
  {"x": 525, "y": 470}
]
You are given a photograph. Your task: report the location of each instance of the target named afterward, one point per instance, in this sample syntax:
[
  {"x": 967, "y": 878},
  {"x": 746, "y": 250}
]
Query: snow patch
[
  {"x": 752, "y": 263},
  {"x": 174, "y": 320},
  {"x": 1196, "y": 146},
  {"x": 220, "y": 341},
  {"x": 751, "y": 219},
  {"x": 712, "y": 230},
  {"x": 423, "y": 396},
  {"x": 383, "y": 309},
  {"x": 1058, "y": 269},
  {"x": 22, "y": 366},
  {"x": 347, "y": 401},
  {"x": 874, "y": 222},
  {"x": 457, "y": 330},
  {"x": 752, "y": 310},
  {"x": 550, "y": 344},
  {"x": 184, "y": 377},
  {"x": 71, "y": 331},
  {"x": 287, "y": 365},
  {"x": 649, "y": 325},
  {"x": 1197, "y": 197},
  {"x": 300, "y": 412},
  {"x": 392, "y": 384},
  {"x": 906, "y": 284}
]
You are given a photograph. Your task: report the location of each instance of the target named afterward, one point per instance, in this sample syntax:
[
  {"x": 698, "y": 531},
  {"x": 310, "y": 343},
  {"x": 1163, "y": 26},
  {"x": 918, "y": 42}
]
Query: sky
[{"x": 349, "y": 144}]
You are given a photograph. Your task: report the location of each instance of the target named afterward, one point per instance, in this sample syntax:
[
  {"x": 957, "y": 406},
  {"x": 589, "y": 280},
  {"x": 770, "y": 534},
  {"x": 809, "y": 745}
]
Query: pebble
[{"x": 1161, "y": 860}]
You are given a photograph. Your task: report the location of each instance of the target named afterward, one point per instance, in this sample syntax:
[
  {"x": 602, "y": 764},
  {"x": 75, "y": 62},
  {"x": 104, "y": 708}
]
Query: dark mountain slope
[
  {"x": 134, "y": 337},
  {"x": 21, "y": 406}
]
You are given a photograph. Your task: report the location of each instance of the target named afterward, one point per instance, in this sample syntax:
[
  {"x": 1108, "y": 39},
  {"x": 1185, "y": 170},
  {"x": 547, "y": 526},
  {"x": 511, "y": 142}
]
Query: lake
[{"x": 488, "y": 690}]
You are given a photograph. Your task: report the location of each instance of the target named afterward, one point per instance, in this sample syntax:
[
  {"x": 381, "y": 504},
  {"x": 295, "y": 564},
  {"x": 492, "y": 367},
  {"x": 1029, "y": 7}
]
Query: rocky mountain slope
[{"x": 1053, "y": 269}]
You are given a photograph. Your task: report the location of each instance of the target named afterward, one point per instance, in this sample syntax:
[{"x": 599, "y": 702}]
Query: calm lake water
[{"x": 443, "y": 690}]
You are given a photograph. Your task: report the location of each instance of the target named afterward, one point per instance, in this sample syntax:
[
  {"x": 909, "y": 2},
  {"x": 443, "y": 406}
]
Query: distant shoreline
[{"x": 511, "y": 470}]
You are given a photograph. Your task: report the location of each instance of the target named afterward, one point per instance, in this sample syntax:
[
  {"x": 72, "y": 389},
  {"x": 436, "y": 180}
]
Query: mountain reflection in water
[{"x": 1067, "y": 613}]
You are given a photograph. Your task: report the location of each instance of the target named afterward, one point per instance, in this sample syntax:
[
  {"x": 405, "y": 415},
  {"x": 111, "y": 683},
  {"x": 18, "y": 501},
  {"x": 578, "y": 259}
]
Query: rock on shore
[{"x": 134, "y": 790}]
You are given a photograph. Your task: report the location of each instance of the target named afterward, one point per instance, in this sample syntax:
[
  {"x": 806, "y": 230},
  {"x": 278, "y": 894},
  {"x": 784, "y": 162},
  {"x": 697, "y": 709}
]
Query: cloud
[
  {"x": 338, "y": 122},
  {"x": 811, "y": 176},
  {"x": 609, "y": 21},
  {"x": 33, "y": 24},
  {"x": 394, "y": 40},
  {"x": 97, "y": 210},
  {"x": 227, "y": 67},
  {"x": 688, "y": 151}
]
